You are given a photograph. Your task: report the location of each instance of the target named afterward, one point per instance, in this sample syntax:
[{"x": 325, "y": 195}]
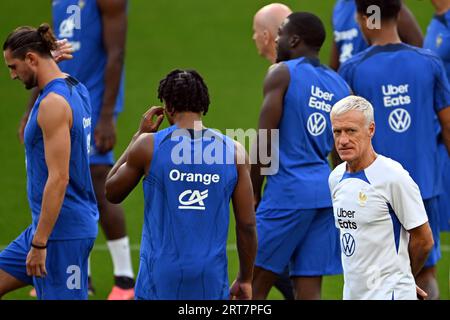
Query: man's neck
[
  {"x": 188, "y": 120},
  {"x": 441, "y": 6},
  {"x": 48, "y": 71},
  {"x": 363, "y": 162},
  {"x": 386, "y": 35}
]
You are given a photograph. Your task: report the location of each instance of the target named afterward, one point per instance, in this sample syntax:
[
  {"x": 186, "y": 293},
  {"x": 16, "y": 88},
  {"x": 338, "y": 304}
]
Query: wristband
[{"x": 38, "y": 247}]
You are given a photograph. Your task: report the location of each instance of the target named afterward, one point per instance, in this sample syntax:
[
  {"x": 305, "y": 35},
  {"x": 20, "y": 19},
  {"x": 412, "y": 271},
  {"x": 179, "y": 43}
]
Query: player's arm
[
  {"x": 334, "y": 57},
  {"x": 444, "y": 119},
  {"x": 130, "y": 168},
  {"x": 245, "y": 227},
  {"x": 135, "y": 161},
  {"x": 275, "y": 86},
  {"x": 406, "y": 200},
  {"x": 55, "y": 121},
  {"x": 114, "y": 21},
  {"x": 420, "y": 245},
  {"x": 408, "y": 28}
]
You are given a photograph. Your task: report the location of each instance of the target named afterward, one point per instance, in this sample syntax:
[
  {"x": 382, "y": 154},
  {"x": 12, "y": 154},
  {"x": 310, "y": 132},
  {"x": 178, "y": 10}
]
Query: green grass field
[{"x": 212, "y": 36}]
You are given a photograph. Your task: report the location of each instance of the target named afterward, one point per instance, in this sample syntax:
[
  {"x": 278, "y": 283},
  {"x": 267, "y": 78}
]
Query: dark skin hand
[{"x": 114, "y": 21}]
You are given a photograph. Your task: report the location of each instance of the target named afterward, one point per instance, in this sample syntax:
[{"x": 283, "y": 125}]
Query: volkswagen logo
[
  {"x": 399, "y": 120},
  {"x": 316, "y": 124},
  {"x": 348, "y": 244}
]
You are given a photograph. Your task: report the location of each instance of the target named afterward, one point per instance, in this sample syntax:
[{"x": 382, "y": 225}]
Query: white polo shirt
[{"x": 373, "y": 208}]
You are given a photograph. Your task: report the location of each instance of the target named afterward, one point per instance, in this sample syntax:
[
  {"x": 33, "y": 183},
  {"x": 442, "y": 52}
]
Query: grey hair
[{"x": 353, "y": 103}]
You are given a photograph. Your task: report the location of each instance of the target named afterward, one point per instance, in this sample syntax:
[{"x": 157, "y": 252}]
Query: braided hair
[
  {"x": 184, "y": 90},
  {"x": 25, "y": 39}
]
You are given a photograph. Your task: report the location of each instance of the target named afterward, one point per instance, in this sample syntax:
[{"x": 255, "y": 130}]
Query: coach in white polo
[{"x": 384, "y": 231}]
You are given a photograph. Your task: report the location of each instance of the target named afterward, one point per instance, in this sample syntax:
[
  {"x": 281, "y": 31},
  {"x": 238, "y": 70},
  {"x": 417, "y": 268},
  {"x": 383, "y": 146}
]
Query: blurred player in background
[
  {"x": 184, "y": 239},
  {"x": 348, "y": 40},
  {"x": 52, "y": 254},
  {"x": 265, "y": 29},
  {"x": 437, "y": 39},
  {"x": 96, "y": 29},
  {"x": 295, "y": 217},
  {"x": 385, "y": 236},
  {"x": 408, "y": 88}
]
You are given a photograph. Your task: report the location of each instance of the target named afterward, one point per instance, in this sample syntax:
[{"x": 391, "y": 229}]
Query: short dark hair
[
  {"x": 389, "y": 9},
  {"x": 184, "y": 90},
  {"x": 25, "y": 39},
  {"x": 308, "y": 27}
]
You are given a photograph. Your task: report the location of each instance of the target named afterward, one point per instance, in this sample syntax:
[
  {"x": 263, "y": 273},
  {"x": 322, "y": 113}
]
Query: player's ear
[
  {"x": 294, "y": 41},
  {"x": 372, "y": 129},
  {"x": 31, "y": 58},
  {"x": 266, "y": 37}
]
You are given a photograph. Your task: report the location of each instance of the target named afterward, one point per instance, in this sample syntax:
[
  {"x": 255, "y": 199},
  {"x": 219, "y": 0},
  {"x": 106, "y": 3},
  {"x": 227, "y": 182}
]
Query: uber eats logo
[
  {"x": 344, "y": 219},
  {"x": 319, "y": 100},
  {"x": 394, "y": 96}
]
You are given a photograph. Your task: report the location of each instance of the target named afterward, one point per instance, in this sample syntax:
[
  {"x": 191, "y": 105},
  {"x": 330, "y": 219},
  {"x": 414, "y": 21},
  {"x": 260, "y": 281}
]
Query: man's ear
[
  {"x": 31, "y": 58},
  {"x": 266, "y": 37},
  {"x": 294, "y": 41},
  {"x": 372, "y": 129}
]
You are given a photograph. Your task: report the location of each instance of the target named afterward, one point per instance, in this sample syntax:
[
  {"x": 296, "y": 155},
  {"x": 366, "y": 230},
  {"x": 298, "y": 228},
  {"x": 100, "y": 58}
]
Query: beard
[{"x": 31, "y": 82}]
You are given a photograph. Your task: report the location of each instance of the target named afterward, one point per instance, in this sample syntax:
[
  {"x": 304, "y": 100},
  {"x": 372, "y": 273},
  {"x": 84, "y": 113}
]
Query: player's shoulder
[
  {"x": 386, "y": 171},
  {"x": 336, "y": 175},
  {"x": 354, "y": 60}
]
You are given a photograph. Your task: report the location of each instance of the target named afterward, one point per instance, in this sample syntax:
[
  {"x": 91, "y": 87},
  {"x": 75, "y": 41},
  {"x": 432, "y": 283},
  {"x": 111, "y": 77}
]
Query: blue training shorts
[
  {"x": 66, "y": 264},
  {"x": 307, "y": 240}
]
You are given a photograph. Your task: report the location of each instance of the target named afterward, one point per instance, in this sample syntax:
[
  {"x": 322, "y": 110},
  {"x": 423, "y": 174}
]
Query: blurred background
[{"x": 215, "y": 38}]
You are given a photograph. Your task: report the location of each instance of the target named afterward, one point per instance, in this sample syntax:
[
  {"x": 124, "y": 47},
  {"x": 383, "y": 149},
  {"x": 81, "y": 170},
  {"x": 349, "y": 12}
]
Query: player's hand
[
  {"x": 241, "y": 290},
  {"x": 148, "y": 123},
  {"x": 63, "y": 51},
  {"x": 36, "y": 262},
  {"x": 105, "y": 134},
  {"x": 21, "y": 130},
  {"x": 421, "y": 294}
]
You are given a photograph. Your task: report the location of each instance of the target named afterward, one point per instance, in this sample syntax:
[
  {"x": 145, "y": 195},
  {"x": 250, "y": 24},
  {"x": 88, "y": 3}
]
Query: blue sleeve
[{"x": 441, "y": 85}]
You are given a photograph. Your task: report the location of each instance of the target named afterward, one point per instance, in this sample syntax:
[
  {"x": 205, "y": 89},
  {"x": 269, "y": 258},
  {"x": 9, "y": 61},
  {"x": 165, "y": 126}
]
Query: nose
[
  {"x": 343, "y": 139},
  {"x": 13, "y": 74}
]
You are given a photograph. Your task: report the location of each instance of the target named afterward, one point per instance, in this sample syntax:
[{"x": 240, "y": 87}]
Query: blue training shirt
[
  {"x": 347, "y": 34},
  {"x": 407, "y": 87},
  {"x": 186, "y": 217},
  {"x": 81, "y": 23},
  {"x": 79, "y": 214},
  {"x": 305, "y": 138}
]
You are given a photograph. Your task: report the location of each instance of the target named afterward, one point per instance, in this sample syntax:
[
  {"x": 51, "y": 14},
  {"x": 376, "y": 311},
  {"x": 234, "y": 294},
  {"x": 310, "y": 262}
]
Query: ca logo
[
  {"x": 74, "y": 280},
  {"x": 194, "y": 199},
  {"x": 399, "y": 120},
  {"x": 348, "y": 244},
  {"x": 316, "y": 124}
]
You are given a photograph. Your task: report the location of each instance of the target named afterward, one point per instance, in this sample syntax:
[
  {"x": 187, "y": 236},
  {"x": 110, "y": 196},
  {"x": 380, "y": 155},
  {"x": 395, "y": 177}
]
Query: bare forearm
[
  {"x": 52, "y": 200},
  {"x": 246, "y": 246},
  {"x": 446, "y": 137},
  {"x": 418, "y": 254},
  {"x": 113, "y": 74}
]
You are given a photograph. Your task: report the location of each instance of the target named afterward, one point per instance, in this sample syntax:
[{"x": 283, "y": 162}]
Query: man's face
[
  {"x": 21, "y": 69},
  {"x": 282, "y": 42},
  {"x": 258, "y": 36},
  {"x": 352, "y": 135}
]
